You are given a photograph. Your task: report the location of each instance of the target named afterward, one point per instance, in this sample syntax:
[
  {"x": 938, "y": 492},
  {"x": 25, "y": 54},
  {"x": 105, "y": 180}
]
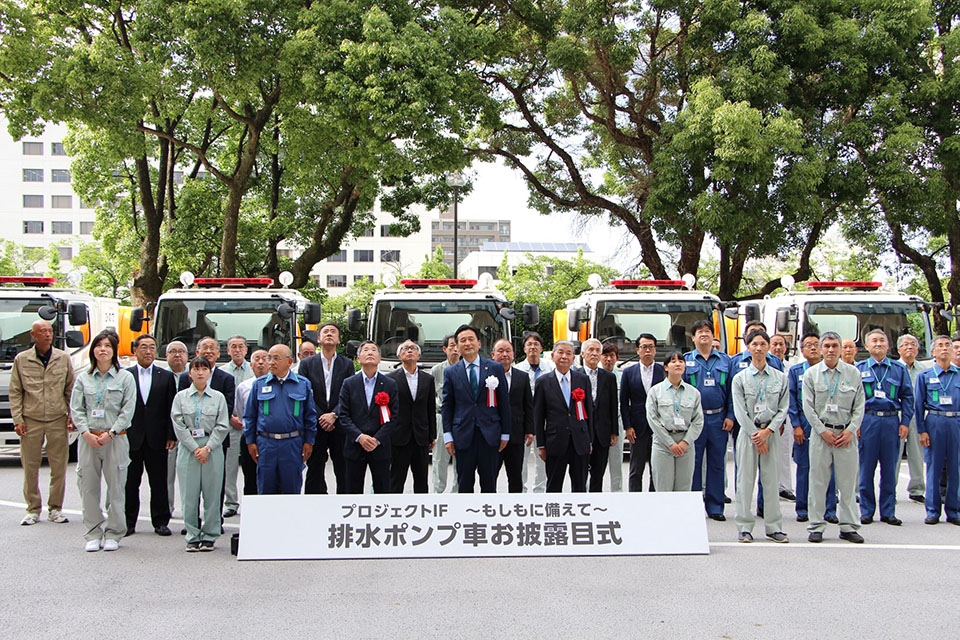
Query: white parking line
[
  {"x": 77, "y": 512},
  {"x": 841, "y": 544}
]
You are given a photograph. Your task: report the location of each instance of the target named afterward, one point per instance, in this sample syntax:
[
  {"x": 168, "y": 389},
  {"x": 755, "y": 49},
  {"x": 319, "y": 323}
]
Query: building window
[
  {"x": 285, "y": 253},
  {"x": 367, "y": 233},
  {"x": 336, "y": 281},
  {"x": 56, "y": 149},
  {"x": 362, "y": 278},
  {"x": 66, "y": 253},
  {"x": 504, "y": 229},
  {"x": 340, "y": 256},
  {"x": 389, "y": 255},
  {"x": 363, "y": 255},
  {"x": 61, "y": 202},
  {"x": 32, "y": 226},
  {"x": 33, "y": 148},
  {"x": 33, "y": 175},
  {"x": 86, "y": 228},
  {"x": 59, "y": 175},
  {"x": 64, "y": 228},
  {"x": 33, "y": 202},
  {"x": 178, "y": 177}
]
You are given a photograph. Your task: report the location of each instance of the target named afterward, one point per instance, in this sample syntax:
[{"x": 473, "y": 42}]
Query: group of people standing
[{"x": 274, "y": 420}]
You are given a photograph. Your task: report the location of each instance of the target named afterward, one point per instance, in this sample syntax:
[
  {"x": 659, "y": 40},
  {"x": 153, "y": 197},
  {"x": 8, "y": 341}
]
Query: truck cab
[
  {"x": 224, "y": 307},
  {"x": 427, "y": 310}
]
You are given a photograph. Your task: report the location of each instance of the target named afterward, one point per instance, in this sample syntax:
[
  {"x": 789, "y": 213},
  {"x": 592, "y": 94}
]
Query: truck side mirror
[
  {"x": 353, "y": 347},
  {"x": 751, "y": 312},
  {"x": 531, "y": 314},
  {"x": 353, "y": 321},
  {"x": 310, "y": 336},
  {"x": 311, "y": 313},
  {"x": 136, "y": 319},
  {"x": 286, "y": 310},
  {"x": 508, "y": 314},
  {"x": 47, "y": 312},
  {"x": 77, "y": 314},
  {"x": 573, "y": 320},
  {"x": 783, "y": 320},
  {"x": 74, "y": 339}
]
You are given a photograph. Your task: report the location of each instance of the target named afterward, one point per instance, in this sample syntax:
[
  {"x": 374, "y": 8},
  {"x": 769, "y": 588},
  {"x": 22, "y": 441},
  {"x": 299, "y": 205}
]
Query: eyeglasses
[
  {"x": 147, "y": 347},
  {"x": 409, "y": 347},
  {"x": 647, "y": 347},
  {"x": 277, "y": 358},
  {"x": 175, "y": 352}
]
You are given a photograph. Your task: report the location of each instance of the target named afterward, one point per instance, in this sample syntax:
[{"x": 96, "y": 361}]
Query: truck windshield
[
  {"x": 856, "y": 319},
  {"x": 16, "y": 319},
  {"x": 191, "y": 320},
  {"x": 670, "y": 321},
  {"x": 427, "y": 322}
]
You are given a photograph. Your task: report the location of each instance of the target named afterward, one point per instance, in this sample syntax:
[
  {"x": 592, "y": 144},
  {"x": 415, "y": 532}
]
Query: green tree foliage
[
  {"x": 434, "y": 266},
  {"x": 548, "y": 282}
]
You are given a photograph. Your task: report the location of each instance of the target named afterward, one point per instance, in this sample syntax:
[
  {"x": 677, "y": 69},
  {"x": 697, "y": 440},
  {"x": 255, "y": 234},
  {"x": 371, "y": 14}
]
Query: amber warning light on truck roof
[
  {"x": 830, "y": 285},
  {"x": 423, "y": 283},
  {"x": 34, "y": 281},
  {"x": 656, "y": 284}
]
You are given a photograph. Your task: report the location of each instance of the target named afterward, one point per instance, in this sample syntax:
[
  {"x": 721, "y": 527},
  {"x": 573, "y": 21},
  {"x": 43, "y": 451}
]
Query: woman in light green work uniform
[
  {"x": 676, "y": 419},
  {"x": 201, "y": 422},
  {"x": 102, "y": 405}
]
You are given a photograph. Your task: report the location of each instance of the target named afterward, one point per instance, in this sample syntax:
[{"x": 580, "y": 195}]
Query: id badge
[
  {"x": 759, "y": 408},
  {"x": 946, "y": 400},
  {"x": 832, "y": 408},
  {"x": 879, "y": 393},
  {"x": 934, "y": 381},
  {"x": 709, "y": 382},
  {"x": 97, "y": 413},
  {"x": 864, "y": 374},
  {"x": 198, "y": 433},
  {"x": 266, "y": 389},
  {"x": 679, "y": 422},
  {"x": 691, "y": 363},
  {"x": 744, "y": 365}
]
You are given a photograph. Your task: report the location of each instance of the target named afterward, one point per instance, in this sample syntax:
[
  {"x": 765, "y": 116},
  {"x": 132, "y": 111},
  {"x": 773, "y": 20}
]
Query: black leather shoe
[
  {"x": 229, "y": 513},
  {"x": 759, "y": 513},
  {"x": 955, "y": 521},
  {"x": 802, "y": 518},
  {"x": 851, "y": 536},
  {"x": 832, "y": 519},
  {"x": 892, "y": 520},
  {"x": 130, "y": 531},
  {"x": 866, "y": 519},
  {"x": 815, "y": 536},
  {"x": 162, "y": 530},
  {"x": 727, "y": 500},
  {"x": 788, "y": 495},
  {"x": 931, "y": 520},
  {"x": 719, "y": 517},
  {"x": 919, "y": 499},
  {"x": 183, "y": 531}
]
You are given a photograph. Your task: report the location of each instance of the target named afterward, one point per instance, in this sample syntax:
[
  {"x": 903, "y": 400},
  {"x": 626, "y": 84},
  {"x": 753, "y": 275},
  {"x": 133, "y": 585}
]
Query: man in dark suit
[
  {"x": 326, "y": 371},
  {"x": 367, "y": 420},
  {"x": 521, "y": 412},
  {"x": 150, "y": 436},
  {"x": 220, "y": 381},
  {"x": 634, "y": 385},
  {"x": 414, "y": 433},
  {"x": 563, "y": 421},
  {"x": 475, "y": 413},
  {"x": 606, "y": 426}
]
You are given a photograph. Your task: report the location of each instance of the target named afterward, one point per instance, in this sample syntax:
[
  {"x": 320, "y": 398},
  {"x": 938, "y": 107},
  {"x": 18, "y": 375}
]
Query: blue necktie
[
  {"x": 565, "y": 387},
  {"x": 536, "y": 372},
  {"x": 473, "y": 378}
]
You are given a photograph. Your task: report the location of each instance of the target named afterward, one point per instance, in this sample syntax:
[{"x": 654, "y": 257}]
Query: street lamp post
[{"x": 455, "y": 180}]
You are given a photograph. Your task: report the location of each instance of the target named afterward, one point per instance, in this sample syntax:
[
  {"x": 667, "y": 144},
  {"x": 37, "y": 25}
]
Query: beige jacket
[{"x": 38, "y": 393}]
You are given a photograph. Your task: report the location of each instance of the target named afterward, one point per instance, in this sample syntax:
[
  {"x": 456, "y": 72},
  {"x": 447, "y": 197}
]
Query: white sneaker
[
  {"x": 57, "y": 516},
  {"x": 110, "y": 545},
  {"x": 92, "y": 545},
  {"x": 29, "y": 519}
]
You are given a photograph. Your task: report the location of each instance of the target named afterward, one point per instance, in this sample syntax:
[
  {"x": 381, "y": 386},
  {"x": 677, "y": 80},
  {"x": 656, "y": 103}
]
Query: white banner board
[{"x": 312, "y": 527}]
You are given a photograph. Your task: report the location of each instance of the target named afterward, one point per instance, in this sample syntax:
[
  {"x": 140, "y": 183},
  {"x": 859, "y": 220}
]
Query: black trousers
[
  {"x": 249, "y": 468},
  {"x": 640, "y": 458},
  {"x": 329, "y": 444},
  {"x": 598, "y": 465},
  {"x": 412, "y": 457},
  {"x": 557, "y": 467},
  {"x": 155, "y": 463},
  {"x": 357, "y": 469},
  {"x": 512, "y": 458},
  {"x": 479, "y": 459}
]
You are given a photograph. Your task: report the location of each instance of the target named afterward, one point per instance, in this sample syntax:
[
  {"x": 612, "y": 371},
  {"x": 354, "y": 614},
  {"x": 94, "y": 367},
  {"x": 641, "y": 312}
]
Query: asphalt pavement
[{"x": 904, "y": 581}]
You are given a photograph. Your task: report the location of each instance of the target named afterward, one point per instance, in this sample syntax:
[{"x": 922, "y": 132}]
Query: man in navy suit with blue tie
[
  {"x": 369, "y": 403},
  {"x": 475, "y": 413}
]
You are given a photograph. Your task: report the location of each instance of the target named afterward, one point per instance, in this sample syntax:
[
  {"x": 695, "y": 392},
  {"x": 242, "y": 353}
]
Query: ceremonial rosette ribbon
[
  {"x": 383, "y": 401},
  {"x": 578, "y": 395},
  {"x": 492, "y": 383}
]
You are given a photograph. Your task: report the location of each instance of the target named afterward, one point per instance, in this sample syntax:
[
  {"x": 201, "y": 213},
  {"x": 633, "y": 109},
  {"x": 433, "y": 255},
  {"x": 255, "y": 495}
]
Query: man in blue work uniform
[
  {"x": 280, "y": 425},
  {"x": 710, "y": 372},
  {"x": 887, "y": 413},
  {"x": 810, "y": 348},
  {"x": 938, "y": 423}
]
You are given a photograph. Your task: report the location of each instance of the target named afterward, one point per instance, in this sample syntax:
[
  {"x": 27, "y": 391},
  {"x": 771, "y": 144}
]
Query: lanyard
[
  {"x": 198, "y": 407},
  {"x": 945, "y": 382},
  {"x": 677, "y": 396},
  {"x": 101, "y": 387},
  {"x": 885, "y": 373},
  {"x": 836, "y": 382},
  {"x": 761, "y": 393}
]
